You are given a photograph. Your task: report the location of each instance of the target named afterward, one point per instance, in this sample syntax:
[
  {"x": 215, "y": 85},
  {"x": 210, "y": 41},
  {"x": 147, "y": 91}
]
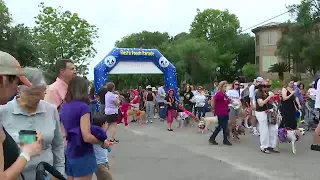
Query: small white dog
[
  {"x": 293, "y": 136},
  {"x": 210, "y": 121}
]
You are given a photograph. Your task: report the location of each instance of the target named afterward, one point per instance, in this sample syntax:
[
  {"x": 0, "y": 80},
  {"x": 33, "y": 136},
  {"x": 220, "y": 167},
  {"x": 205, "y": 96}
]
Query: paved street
[{"x": 151, "y": 152}]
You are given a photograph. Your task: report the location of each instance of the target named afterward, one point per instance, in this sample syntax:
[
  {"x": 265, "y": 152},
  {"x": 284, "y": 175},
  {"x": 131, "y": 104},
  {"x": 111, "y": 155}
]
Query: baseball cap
[
  {"x": 10, "y": 66},
  {"x": 260, "y": 79}
]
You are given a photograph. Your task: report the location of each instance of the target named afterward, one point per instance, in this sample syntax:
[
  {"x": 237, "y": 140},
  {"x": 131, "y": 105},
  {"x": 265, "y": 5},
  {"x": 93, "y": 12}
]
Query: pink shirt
[
  {"x": 221, "y": 104},
  {"x": 56, "y": 92}
]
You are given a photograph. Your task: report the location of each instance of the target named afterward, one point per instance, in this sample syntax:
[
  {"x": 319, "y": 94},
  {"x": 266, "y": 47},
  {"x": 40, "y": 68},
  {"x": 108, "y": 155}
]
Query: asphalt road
[{"x": 151, "y": 152}]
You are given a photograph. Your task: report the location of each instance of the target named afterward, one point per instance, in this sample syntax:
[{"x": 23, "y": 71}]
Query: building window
[
  {"x": 268, "y": 61},
  {"x": 257, "y": 63},
  {"x": 269, "y": 38},
  {"x": 257, "y": 39}
]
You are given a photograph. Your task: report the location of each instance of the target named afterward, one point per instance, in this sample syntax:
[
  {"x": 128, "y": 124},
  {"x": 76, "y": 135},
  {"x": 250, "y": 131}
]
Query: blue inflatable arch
[{"x": 103, "y": 68}]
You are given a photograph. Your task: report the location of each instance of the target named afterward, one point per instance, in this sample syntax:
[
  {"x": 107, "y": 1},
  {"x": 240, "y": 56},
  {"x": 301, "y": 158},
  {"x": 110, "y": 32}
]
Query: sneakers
[
  {"x": 114, "y": 141},
  {"x": 228, "y": 143},
  {"x": 213, "y": 142},
  {"x": 256, "y": 133},
  {"x": 315, "y": 147}
]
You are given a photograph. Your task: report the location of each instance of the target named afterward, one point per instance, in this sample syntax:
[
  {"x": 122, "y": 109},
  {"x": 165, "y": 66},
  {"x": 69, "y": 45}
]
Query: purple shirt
[
  {"x": 70, "y": 115},
  {"x": 221, "y": 101},
  {"x": 111, "y": 107}
]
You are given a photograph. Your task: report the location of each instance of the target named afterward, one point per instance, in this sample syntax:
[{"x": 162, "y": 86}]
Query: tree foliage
[
  {"x": 61, "y": 34},
  {"x": 57, "y": 34},
  {"x": 298, "y": 44}
]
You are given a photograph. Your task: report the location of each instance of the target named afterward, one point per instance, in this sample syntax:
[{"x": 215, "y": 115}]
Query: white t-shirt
[
  {"x": 235, "y": 98},
  {"x": 312, "y": 92},
  {"x": 252, "y": 93},
  {"x": 317, "y": 105},
  {"x": 200, "y": 100}
]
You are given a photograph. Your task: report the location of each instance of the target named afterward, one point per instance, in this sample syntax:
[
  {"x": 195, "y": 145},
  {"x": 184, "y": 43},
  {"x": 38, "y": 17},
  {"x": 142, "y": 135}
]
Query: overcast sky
[{"x": 119, "y": 18}]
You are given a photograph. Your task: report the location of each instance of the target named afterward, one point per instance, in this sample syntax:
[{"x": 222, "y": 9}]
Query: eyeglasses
[{"x": 236, "y": 84}]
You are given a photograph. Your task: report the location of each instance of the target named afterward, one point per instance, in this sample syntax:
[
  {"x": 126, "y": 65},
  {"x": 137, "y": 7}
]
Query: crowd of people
[
  {"x": 75, "y": 136},
  {"x": 66, "y": 134}
]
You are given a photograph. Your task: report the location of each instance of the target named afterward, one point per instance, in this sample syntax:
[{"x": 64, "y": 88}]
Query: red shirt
[
  {"x": 136, "y": 99},
  {"x": 221, "y": 104}
]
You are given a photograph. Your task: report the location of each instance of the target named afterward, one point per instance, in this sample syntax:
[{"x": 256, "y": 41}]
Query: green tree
[
  {"x": 221, "y": 29},
  {"x": 299, "y": 35},
  {"x": 196, "y": 58},
  {"x": 61, "y": 34},
  {"x": 249, "y": 71},
  {"x": 279, "y": 68},
  {"x": 16, "y": 40},
  {"x": 311, "y": 55}
]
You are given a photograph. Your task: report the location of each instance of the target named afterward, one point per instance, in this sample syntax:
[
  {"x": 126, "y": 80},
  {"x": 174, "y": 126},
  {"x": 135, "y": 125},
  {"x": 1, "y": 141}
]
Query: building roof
[{"x": 265, "y": 26}]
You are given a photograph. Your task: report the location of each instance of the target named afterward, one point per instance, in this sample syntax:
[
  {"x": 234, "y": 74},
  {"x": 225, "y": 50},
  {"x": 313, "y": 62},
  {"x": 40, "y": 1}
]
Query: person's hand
[
  {"x": 293, "y": 92},
  {"x": 35, "y": 148},
  {"x": 105, "y": 144},
  {"x": 31, "y": 150},
  {"x": 2, "y": 135},
  {"x": 299, "y": 106}
]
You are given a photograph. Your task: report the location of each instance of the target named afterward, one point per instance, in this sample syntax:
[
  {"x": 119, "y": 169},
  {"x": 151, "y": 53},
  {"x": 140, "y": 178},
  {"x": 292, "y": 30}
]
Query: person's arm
[
  {"x": 262, "y": 102},
  {"x": 162, "y": 93},
  {"x": 85, "y": 127},
  {"x": 167, "y": 101},
  {"x": 284, "y": 94},
  {"x": 57, "y": 146},
  {"x": 298, "y": 102},
  {"x": 14, "y": 171},
  {"x": 154, "y": 98},
  {"x": 116, "y": 100}
]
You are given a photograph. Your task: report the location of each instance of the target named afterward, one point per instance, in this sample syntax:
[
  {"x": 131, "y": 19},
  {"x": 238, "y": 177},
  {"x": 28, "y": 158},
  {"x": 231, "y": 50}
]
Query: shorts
[
  {"x": 81, "y": 166},
  {"x": 111, "y": 118},
  {"x": 233, "y": 113}
]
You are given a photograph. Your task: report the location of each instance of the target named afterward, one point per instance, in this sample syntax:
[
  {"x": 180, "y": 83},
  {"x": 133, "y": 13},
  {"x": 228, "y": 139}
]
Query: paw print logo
[
  {"x": 110, "y": 61},
  {"x": 163, "y": 62}
]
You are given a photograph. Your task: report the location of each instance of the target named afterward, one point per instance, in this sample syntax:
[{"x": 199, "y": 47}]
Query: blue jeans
[
  {"x": 149, "y": 110},
  {"x": 222, "y": 124},
  {"x": 162, "y": 111},
  {"x": 201, "y": 112}
]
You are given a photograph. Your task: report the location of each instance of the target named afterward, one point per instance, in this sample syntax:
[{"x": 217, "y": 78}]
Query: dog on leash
[
  {"x": 237, "y": 131},
  {"x": 293, "y": 136},
  {"x": 290, "y": 136},
  {"x": 210, "y": 121},
  {"x": 139, "y": 115},
  {"x": 201, "y": 126}
]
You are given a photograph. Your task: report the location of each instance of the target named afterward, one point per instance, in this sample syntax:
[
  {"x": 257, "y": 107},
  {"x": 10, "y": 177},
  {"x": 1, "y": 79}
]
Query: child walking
[
  {"x": 101, "y": 154},
  {"x": 124, "y": 107}
]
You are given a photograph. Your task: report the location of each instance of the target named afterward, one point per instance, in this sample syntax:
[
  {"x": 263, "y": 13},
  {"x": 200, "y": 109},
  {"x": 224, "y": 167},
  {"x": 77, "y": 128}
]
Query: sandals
[{"x": 266, "y": 151}]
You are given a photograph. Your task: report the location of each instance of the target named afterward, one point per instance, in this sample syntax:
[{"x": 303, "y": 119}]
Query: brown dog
[
  {"x": 141, "y": 117},
  {"x": 237, "y": 131}
]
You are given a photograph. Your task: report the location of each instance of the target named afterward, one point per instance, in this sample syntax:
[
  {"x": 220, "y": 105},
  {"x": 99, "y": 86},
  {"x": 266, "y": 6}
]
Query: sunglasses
[{"x": 236, "y": 84}]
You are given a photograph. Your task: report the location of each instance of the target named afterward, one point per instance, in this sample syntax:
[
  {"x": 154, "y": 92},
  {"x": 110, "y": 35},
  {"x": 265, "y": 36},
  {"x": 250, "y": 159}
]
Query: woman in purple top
[
  {"x": 111, "y": 110},
  {"x": 221, "y": 109},
  {"x": 75, "y": 116}
]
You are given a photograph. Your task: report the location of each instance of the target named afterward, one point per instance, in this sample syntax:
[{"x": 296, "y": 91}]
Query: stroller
[
  {"x": 312, "y": 115},
  {"x": 43, "y": 168}
]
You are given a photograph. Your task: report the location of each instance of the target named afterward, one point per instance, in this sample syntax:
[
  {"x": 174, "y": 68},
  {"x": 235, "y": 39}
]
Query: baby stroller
[
  {"x": 312, "y": 115},
  {"x": 43, "y": 168}
]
